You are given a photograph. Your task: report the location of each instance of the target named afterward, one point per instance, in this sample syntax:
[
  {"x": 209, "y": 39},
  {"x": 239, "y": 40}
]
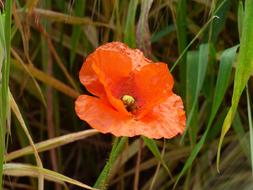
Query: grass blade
[
  {"x": 47, "y": 79},
  {"x": 38, "y": 89},
  {"x": 16, "y": 169},
  {"x": 226, "y": 63},
  {"x": 16, "y": 111},
  {"x": 51, "y": 143},
  {"x": 5, "y": 46},
  {"x": 155, "y": 37},
  {"x": 250, "y": 127},
  {"x": 191, "y": 68},
  {"x": 181, "y": 23},
  {"x": 76, "y": 33},
  {"x": 240, "y": 15},
  {"x": 150, "y": 143},
  {"x": 118, "y": 146},
  {"x": 191, "y": 42},
  {"x": 129, "y": 33},
  {"x": 218, "y": 25},
  {"x": 142, "y": 31},
  {"x": 64, "y": 18},
  {"x": 241, "y": 135},
  {"x": 200, "y": 76},
  {"x": 244, "y": 69},
  {"x": 2, "y": 117}
]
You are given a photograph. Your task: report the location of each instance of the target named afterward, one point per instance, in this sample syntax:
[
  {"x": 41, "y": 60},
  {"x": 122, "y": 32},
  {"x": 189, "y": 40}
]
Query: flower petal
[
  {"x": 90, "y": 80},
  {"x": 105, "y": 70},
  {"x": 165, "y": 120},
  {"x": 153, "y": 84},
  {"x": 137, "y": 58},
  {"x": 98, "y": 114},
  {"x": 111, "y": 68}
]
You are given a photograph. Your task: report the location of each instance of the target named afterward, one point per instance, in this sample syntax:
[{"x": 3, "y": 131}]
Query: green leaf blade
[{"x": 244, "y": 69}]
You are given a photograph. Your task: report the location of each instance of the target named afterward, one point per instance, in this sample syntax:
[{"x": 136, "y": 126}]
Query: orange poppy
[{"x": 133, "y": 95}]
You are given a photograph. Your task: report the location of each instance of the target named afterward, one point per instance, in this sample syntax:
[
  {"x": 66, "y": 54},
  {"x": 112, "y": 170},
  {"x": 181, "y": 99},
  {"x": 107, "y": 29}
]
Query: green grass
[
  {"x": 5, "y": 39},
  {"x": 243, "y": 71},
  {"x": 208, "y": 46},
  {"x": 2, "y": 119}
]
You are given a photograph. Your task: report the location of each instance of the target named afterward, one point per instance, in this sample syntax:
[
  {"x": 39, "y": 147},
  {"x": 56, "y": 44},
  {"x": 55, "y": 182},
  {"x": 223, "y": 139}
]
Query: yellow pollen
[{"x": 129, "y": 102}]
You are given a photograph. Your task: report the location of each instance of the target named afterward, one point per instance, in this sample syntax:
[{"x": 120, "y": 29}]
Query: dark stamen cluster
[{"x": 129, "y": 103}]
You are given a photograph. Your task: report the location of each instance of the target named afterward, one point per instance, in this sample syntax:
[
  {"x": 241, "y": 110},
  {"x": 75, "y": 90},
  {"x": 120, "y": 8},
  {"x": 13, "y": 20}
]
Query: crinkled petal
[
  {"x": 166, "y": 120},
  {"x": 152, "y": 84},
  {"x": 137, "y": 58},
  {"x": 90, "y": 80}
]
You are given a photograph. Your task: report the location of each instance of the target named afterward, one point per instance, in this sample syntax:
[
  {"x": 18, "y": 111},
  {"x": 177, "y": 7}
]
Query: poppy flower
[{"x": 132, "y": 95}]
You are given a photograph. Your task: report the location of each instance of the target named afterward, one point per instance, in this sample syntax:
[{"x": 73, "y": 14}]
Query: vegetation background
[{"x": 208, "y": 46}]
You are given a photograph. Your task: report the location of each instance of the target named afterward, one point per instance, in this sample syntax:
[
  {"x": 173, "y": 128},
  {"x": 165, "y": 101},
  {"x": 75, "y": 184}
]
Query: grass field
[{"x": 208, "y": 47}]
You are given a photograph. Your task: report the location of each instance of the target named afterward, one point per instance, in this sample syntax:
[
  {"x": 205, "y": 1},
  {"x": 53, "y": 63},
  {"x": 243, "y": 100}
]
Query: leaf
[{"x": 244, "y": 69}]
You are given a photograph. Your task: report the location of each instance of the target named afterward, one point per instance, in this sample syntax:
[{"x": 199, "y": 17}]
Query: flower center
[{"x": 129, "y": 102}]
